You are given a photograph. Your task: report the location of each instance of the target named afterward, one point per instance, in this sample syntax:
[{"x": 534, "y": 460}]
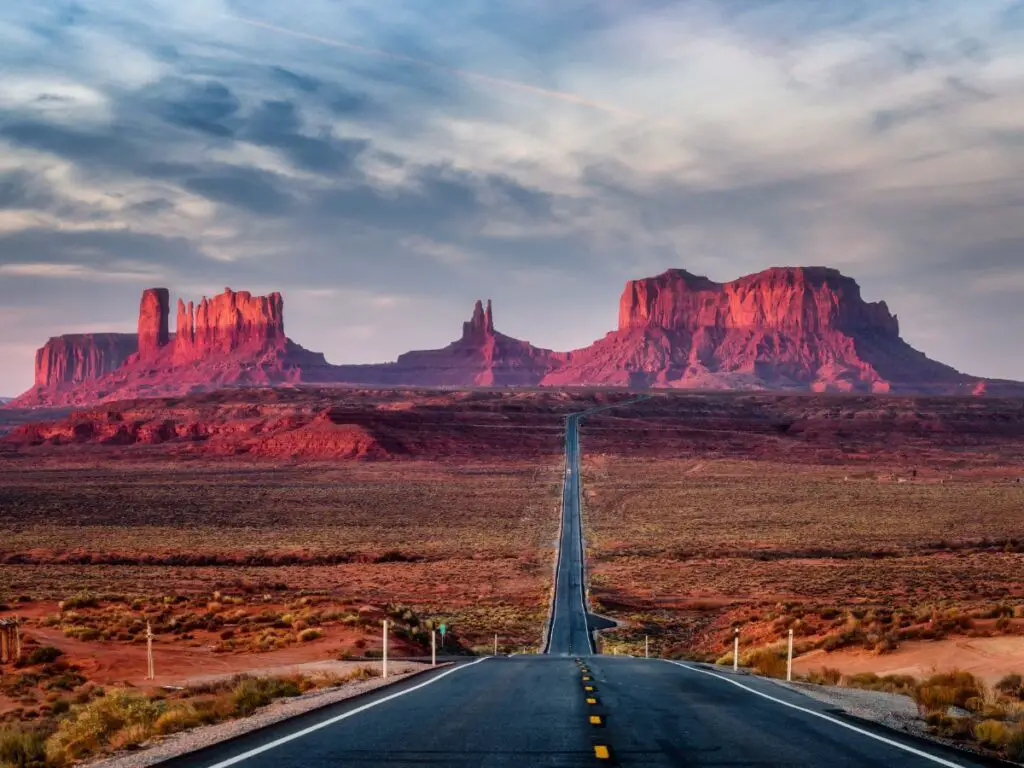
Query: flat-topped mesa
[
  {"x": 153, "y": 329},
  {"x": 228, "y": 322},
  {"x": 481, "y": 325},
  {"x": 65, "y": 361},
  {"x": 790, "y": 299}
]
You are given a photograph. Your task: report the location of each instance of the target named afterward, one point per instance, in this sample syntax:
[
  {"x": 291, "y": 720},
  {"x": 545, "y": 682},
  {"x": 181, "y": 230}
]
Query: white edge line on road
[
  {"x": 823, "y": 716},
  {"x": 305, "y": 731}
]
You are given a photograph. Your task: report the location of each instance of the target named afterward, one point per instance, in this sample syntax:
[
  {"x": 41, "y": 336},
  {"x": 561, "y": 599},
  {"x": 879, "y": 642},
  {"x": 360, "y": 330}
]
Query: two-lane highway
[
  {"x": 568, "y": 632},
  {"x": 572, "y": 708}
]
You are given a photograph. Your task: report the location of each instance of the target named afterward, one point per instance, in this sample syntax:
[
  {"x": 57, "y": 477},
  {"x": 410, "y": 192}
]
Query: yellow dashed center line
[
  {"x": 601, "y": 752},
  {"x": 591, "y": 700},
  {"x": 595, "y": 719}
]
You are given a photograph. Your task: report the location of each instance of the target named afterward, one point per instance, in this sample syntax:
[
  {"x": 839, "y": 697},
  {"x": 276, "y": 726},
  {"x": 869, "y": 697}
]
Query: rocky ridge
[{"x": 788, "y": 328}]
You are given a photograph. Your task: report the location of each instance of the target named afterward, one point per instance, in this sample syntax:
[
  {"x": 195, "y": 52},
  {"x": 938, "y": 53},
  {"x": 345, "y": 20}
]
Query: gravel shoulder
[{"x": 283, "y": 709}]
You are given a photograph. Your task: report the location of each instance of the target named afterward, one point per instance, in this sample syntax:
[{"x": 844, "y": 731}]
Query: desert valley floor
[{"x": 258, "y": 527}]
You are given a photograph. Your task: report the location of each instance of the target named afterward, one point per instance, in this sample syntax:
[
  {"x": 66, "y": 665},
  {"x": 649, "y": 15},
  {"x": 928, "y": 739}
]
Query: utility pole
[
  {"x": 736, "y": 651},
  {"x": 789, "y": 660},
  {"x": 151, "y": 669},
  {"x": 433, "y": 647},
  {"x": 384, "y": 671}
]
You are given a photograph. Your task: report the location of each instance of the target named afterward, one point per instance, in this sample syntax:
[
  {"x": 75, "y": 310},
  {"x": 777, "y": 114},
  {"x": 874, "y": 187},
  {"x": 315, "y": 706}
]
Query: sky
[{"x": 384, "y": 164}]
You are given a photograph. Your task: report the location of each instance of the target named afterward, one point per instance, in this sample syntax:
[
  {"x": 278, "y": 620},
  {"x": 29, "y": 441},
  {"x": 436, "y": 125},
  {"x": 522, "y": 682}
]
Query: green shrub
[{"x": 309, "y": 634}]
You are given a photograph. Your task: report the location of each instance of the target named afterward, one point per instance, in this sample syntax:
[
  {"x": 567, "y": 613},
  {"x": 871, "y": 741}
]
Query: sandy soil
[
  {"x": 176, "y": 665},
  {"x": 989, "y": 658}
]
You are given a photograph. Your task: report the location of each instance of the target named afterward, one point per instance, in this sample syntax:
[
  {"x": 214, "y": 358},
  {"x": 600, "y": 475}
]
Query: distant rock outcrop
[
  {"x": 66, "y": 361},
  {"x": 785, "y": 328},
  {"x": 789, "y": 328},
  {"x": 153, "y": 333},
  {"x": 227, "y": 323},
  {"x": 482, "y": 357},
  {"x": 230, "y": 340}
]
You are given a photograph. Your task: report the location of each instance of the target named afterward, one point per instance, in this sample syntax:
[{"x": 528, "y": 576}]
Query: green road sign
[{"x": 444, "y": 628}]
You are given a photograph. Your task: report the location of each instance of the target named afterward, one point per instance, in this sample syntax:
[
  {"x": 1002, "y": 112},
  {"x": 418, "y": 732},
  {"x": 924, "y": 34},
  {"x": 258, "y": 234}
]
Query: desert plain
[{"x": 258, "y": 530}]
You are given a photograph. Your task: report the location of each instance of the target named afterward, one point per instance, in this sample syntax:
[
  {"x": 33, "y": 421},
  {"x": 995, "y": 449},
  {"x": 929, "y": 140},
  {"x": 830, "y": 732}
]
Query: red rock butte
[{"x": 787, "y": 328}]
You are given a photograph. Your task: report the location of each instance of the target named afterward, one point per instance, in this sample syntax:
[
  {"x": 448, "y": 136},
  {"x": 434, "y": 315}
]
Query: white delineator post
[
  {"x": 433, "y": 647},
  {"x": 495, "y": 645},
  {"x": 736, "y": 652},
  {"x": 789, "y": 660},
  {"x": 150, "y": 669},
  {"x": 384, "y": 669},
  {"x": 647, "y": 647}
]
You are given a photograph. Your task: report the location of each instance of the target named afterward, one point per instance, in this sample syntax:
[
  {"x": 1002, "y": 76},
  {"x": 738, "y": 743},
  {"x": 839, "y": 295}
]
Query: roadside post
[
  {"x": 736, "y": 651},
  {"x": 789, "y": 659},
  {"x": 495, "y": 645},
  {"x": 647, "y": 647},
  {"x": 433, "y": 647},
  {"x": 150, "y": 669},
  {"x": 384, "y": 670}
]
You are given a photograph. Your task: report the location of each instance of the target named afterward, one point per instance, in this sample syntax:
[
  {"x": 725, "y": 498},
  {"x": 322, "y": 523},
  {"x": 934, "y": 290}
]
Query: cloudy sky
[{"x": 385, "y": 163}]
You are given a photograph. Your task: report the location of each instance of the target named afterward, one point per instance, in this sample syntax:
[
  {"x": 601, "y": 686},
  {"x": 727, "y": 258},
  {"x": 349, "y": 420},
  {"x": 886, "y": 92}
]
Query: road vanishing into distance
[{"x": 570, "y": 707}]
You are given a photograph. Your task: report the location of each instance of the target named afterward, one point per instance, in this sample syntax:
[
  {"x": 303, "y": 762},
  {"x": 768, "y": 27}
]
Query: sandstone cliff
[
  {"x": 153, "y": 333},
  {"x": 65, "y": 361},
  {"x": 232, "y": 339},
  {"x": 791, "y": 328},
  {"x": 784, "y": 328}
]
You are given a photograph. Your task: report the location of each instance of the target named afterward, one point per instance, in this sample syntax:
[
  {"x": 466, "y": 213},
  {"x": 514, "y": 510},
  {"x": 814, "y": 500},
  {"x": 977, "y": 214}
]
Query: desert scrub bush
[
  {"x": 307, "y": 635},
  {"x": 947, "y": 689},
  {"x": 95, "y": 726},
  {"x": 45, "y": 655},
  {"x": 770, "y": 662},
  {"x": 254, "y": 692},
  {"x": 889, "y": 683},
  {"x": 79, "y": 632},
  {"x": 1014, "y": 747},
  {"x": 22, "y": 748},
  {"x": 991, "y": 733},
  {"x": 177, "y": 717},
  {"x": 824, "y": 676},
  {"x": 1011, "y": 686}
]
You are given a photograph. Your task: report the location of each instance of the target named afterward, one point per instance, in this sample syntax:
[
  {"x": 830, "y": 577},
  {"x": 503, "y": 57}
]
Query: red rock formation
[
  {"x": 481, "y": 358},
  {"x": 800, "y": 328},
  {"x": 784, "y": 328},
  {"x": 228, "y": 322},
  {"x": 153, "y": 331},
  {"x": 65, "y": 361}
]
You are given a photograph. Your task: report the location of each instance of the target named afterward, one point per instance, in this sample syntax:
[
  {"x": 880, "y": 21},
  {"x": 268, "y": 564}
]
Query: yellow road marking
[
  {"x": 586, "y": 678},
  {"x": 588, "y": 688},
  {"x": 595, "y": 719},
  {"x": 591, "y": 700},
  {"x": 601, "y": 752}
]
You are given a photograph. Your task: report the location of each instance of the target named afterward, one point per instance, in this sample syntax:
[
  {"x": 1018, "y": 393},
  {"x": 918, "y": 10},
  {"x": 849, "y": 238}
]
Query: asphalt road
[
  {"x": 568, "y": 631},
  {"x": 572, "y": 708}
]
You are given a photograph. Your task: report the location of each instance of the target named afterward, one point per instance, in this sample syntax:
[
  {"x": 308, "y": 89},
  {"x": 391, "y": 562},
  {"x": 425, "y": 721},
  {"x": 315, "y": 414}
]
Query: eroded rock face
[
  {"x": 801, "y": 300},
  {"x": 228, "y": 322},
  {"x": 65, "y": 361},
  {"x": 785, "y": 328},
  {"x": 153, "y": 314}
]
